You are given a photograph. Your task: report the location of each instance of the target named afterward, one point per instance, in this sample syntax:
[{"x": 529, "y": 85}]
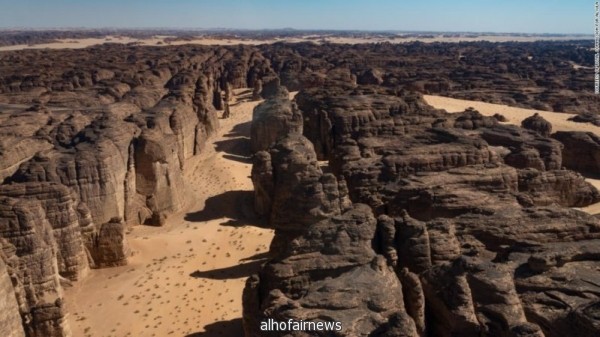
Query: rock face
[
  {"x": 581, "y": 151},
  {"x": 537, "y": 123},
  {"x": 158, "y": 177},
  {"x": 107, "y": 245},
  {"x": 93, "y": 141},
  {"x": 274, "y": 119},
  {"x": 472, "y": 221},
  {"x": 29, "y": 250},
  {"x": 10, "y": 321},
  {"x": 60, "y": 212},
  {"x": 322, "y": 250},
  {"x": 527, "y": 148},
  {"x": 98, "y": 150}
]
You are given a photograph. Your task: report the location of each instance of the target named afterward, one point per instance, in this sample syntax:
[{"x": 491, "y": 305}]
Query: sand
[
  {"x": 400, "y": 38},
  {"x": 187, "y": 277},
  {"x": 515, "y": 116}
]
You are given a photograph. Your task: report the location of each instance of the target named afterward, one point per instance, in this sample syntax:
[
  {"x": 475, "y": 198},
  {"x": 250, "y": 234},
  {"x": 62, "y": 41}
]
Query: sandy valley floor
[{"x": 185, "y": 279}]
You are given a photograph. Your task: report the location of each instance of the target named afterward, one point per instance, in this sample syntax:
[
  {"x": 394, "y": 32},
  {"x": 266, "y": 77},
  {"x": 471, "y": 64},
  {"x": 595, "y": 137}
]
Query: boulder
[{"x": 538, "y": 124}]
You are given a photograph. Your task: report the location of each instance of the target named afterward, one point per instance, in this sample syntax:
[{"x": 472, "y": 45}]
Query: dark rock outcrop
[
  {"x": 107, "y": 245},
  {"x": 527, "y": 148},
  {"x": 581, "y": 151},
  {"x": 322, "y": 253},
  {"x": 274, "y": 119},
  {"x": 586, "y": 117},
  {"x": 537, "y": 123},
  {"x": 471, "y": 212}
]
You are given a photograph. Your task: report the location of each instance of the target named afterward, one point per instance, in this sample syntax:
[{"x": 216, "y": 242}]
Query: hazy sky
[{"x": 534, "y": 16}]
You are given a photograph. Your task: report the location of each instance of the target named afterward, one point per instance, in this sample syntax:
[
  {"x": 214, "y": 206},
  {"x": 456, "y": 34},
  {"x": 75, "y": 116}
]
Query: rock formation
[
  {"x": 581, "y": 151},
  {"x": 273, "y": 119},
  {"x": 29, "y": 252},
  {"x": 587, "y": 117},
  {"x": 472, "y": 217},
  {"x": 60, "y": 212},
  {"x": 463, "y": 221},
  {"x": 322, "y": 252},
  {"x": 257, "y": 90},
  {"x": 10, "y": 321},
  {"x": 537, "y": 123},
  {"x": 96, "y": 150}
]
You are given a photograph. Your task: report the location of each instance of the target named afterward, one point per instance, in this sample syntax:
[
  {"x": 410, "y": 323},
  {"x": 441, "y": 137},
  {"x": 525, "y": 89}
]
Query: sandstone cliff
[
  {"x": 30, "y": 252},
  {"x": 473, "y": 220},
  {"x": 322, "y": 252}
]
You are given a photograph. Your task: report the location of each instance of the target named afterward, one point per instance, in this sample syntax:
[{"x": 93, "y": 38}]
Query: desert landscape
[
  {"x": 187, "y": 276},
  {"x": 59, "y": 39},
  {"x": 416, "y": 185}
]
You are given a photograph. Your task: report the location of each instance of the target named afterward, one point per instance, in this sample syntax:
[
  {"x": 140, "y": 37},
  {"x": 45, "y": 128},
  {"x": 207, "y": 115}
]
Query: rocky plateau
[{"x": 390, "y": 216}]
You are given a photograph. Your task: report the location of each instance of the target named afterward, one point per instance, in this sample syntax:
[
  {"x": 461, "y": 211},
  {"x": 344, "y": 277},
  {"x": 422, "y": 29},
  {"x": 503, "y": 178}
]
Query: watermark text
[
  {"x": 597, "y": 48},
  {"x": 292, "y": 325}
]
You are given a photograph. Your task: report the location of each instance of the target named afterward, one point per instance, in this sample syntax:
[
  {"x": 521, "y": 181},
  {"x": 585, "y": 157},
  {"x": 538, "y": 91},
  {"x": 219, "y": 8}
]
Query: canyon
[{"x": 369, "y": 206}]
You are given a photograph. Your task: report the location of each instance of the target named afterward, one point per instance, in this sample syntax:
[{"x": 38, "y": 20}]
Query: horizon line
[{"x": 199, "y": 29}]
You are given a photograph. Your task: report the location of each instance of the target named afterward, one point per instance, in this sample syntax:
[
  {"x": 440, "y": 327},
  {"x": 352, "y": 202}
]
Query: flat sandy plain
[
  {"x": 164, "y": 40},
  {"x": 186, "y": 278}
]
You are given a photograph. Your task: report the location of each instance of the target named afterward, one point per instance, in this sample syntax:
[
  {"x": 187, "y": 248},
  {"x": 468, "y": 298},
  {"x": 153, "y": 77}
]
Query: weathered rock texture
[
  {"x": 473, "y": 217},
  {"x": 97, "y": 140},
  {"x": 60, "y": 211},
  {"x": 10, "y": 321},
  {"x": 274, "y": 119},
  {"x": 29, "y": 250},
  {"x": 581, "y": 151},
  {"x": 323, "y": 267},
  {"x": 537, "y": 123}
]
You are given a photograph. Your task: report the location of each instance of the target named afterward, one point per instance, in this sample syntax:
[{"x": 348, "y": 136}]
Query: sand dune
[
  {"x": 185, "y": 278},
  {"x": 515, "y": 116}
]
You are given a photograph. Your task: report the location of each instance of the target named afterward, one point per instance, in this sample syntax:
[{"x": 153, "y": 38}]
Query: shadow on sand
[
  {"x": 237, "y": 149},
  {"x": 229, "y": 328},
  {"x": 235, "y": 205},
  {"x": 233, "y": 272},
  {"x": 259, "y": 256},
  {"x": 240, "y": 130}
]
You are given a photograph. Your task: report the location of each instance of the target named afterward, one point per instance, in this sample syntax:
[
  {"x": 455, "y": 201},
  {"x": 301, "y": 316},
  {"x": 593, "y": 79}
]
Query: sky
[{"x": 514, "y": 16}]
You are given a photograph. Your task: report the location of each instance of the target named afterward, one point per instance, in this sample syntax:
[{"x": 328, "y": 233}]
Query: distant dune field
[{"x": 208, "y": 40}]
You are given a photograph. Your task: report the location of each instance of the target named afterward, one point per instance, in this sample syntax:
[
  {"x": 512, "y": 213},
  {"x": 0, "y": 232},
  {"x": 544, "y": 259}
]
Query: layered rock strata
[
  {"x": 29, "y": 252},
  {"x": 473, "y": 218},
  {"x": 323, "y": 268}
]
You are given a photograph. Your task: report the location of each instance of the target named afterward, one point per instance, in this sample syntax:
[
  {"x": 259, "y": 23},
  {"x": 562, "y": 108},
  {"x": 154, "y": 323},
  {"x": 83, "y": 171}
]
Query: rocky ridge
[
  {"x": 96, "y": 151},
  {"x": 94, "y": 141},
  {"x": 473, "y": 222}
]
